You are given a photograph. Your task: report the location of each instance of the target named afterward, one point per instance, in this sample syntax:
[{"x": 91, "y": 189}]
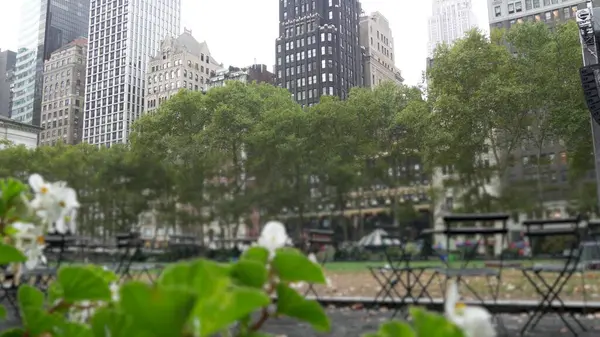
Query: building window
[
  {"x": 511, "y": 8},
  {"x": 518, "y": 6},
  {"x": 497, "y": 11},
  {"x": 536, "y": 3}
]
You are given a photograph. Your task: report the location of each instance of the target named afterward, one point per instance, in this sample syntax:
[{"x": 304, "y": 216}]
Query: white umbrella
[{"x": 377, "y": 239}]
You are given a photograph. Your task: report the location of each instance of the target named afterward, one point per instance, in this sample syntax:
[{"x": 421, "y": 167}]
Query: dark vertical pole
[{"x": 590, "y": 57}]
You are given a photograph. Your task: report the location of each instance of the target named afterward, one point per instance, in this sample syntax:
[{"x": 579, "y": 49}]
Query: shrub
[{"x": 192, "y": 298}]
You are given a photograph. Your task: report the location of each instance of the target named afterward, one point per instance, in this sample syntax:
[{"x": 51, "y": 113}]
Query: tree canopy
[{"x": 493, "y": 105}]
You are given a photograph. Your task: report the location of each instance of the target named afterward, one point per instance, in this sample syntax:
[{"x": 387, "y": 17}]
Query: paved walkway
[{"x": 354, "y": 323}]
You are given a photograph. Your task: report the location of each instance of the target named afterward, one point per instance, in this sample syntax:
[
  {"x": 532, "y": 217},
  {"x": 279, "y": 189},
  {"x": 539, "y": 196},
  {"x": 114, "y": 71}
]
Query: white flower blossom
[
  {"x": 474, "y": 321},
  {"x": 53, "y": 202},
  {"x": 273, "y": 236},
  {"x": 30, "y": 240}
]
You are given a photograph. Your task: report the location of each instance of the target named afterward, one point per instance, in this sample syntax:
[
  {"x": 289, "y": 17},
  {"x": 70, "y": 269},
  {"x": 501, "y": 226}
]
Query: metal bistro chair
[
  {"x": 314, "y": 241},
  {"x": 399, "y": 271},
  {"x": 40, "y": 277},
  {"x": 566, "y": 231},
  {"x": 466, "y": 268},
  {"x": 56, "y": 252},
  {"x": 128, "y": 247}
]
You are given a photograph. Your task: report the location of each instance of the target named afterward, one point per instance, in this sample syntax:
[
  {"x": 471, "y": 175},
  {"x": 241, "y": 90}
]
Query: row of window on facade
[
  {"x": 59, "y": 122},
  {"x": 173, "y": 86},
  {"x": 517, "y": 7},
  {"x": 304, "y": 8},
  {"x": 311, "y": 93},
  {"x": 56, "y": 132},
  {"x": 59, "y": 116},
  {"x": 59, "y": 104},
  {"x": 382, "y": 49},
  {"x": 103, "y": 128},
  {"x": 117, "y": 137},
  {"x": 545, "y": 159},
  {"x": 173, "y": 74},
  {"x": 54, "y": 65},
  {"x": 179, "y": 62},
  {"x": 101, "y": 120}
]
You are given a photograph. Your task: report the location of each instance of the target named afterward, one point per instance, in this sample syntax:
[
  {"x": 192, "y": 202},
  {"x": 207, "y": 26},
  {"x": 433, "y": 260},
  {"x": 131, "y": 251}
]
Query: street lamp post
[{"x": 588, "y": 20}]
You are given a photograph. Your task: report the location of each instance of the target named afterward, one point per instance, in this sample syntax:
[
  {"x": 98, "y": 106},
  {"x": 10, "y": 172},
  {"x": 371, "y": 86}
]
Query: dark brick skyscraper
[{"x": 317, "y": 51}]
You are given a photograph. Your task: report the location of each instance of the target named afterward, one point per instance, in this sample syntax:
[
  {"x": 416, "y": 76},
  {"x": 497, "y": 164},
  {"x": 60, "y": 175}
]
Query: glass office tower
[{"x": 46, "y": 25}]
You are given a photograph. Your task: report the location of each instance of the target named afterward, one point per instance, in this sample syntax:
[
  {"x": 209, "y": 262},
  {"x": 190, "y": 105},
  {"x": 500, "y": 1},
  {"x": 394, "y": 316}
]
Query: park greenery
[
  {"x": 218, "y": 156},
  {"x": 191, "y": 298}
]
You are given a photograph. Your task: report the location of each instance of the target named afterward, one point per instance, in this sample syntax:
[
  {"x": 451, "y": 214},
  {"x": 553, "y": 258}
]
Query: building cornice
[{"x": 14, "y": 125}]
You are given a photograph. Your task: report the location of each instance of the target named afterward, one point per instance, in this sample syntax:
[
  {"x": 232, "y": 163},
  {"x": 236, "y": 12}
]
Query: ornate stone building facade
[{"x": 181, "y": 63}]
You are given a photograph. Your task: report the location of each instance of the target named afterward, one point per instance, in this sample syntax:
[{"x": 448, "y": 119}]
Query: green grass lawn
[{"x": 362, "y": 266}]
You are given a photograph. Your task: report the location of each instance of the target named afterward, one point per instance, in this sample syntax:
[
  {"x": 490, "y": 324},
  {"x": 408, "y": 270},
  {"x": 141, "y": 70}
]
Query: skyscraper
[
  {"x": 124, "y": 35},
  {"x": 46, "y": 25},
  {"x": 318, "y": 52},
  {"x": 7, "y": 67},
  {"x": 450, "y": 20}
]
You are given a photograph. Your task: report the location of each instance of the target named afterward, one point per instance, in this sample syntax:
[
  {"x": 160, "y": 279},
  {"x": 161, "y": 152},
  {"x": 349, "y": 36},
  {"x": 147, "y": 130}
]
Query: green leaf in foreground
[
  {"x": 250, "y": 273},
  {"x": 82, "y": 283},
  {"x": 15, "y": 332},
  {"x": 432, "y": 324},
  {"x": 30, "y": 297},
  {"x": 162, "y": 312},
  {"x": 2, "y": 312},
  {"x": 111, "y": 323},
  {"x": 220, "y": 312},
  {"x": 10, "y": 254},
  {"x": 396, "y": 329},
  {"x": 70, "y": 329},
  {"x": 292, "y": 304},
  {"x": 293, "y": 266},
  {"x": 203, "y": 278},
  {"x": 256, "y": 253}
]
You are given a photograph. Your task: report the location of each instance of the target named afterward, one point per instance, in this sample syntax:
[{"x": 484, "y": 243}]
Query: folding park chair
[
  {"x": 399, "y": 271},
  {"x": 570, "y": 231},
  {"x": 8, "y": 289},
  {"x": 56, "y": 251},
  {"x": 590, "y": 256},
  {"x": 466, "y": 269},
  {"x": 128, "y": 248},
  {"x": 315, "y": 240}
]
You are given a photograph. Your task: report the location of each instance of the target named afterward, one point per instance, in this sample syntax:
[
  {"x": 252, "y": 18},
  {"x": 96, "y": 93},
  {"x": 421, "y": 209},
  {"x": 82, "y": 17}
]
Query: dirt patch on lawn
[{"x": 513, "y": 285}]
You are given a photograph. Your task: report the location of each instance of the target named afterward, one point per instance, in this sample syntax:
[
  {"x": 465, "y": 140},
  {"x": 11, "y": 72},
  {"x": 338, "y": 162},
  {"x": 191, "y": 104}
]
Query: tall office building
[
  {"x": 318, "y": 51},
  {"x": 505, "y": 13},
  {"x": 124, "y": 35},
  {"x": 46, "y": 25},
  {"x": 62, "y": 103},
  {"x": 377, "y": 40},
  {"x": 450, "y": 20},
  {"x": 8, "y": 60}
]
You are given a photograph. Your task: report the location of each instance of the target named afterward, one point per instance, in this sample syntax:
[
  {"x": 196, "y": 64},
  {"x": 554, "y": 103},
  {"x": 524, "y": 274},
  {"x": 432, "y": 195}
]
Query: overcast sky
[{"x": 240, "y": 31}]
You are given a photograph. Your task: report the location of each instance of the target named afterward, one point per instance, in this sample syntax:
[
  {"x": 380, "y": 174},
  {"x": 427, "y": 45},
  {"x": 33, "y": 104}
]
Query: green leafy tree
[{"x": 478, "y": 117}]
